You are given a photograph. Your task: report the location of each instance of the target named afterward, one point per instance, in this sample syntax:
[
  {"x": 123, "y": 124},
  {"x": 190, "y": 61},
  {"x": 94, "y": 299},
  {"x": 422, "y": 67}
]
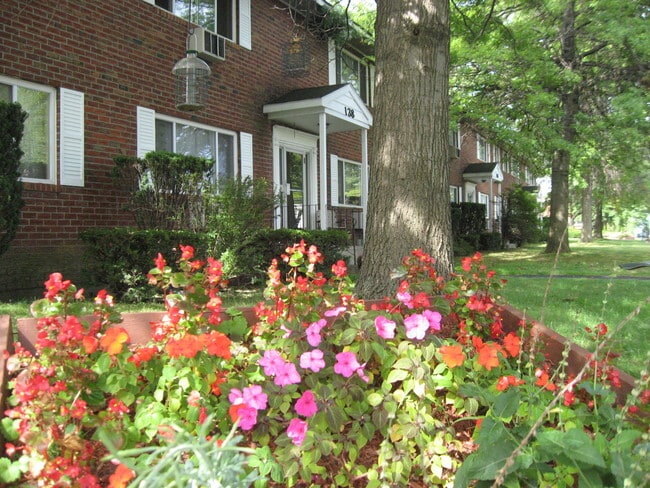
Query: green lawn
[{"x": 603, "y": 292}]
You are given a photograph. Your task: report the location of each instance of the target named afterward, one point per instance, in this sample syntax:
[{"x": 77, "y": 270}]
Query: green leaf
[
  {"x": 506, "y": 404},
  {"x": 375, "y": 399},
  {"x": 335, "y": 418},
  {"x": 574, "y": 443},
  {"x": 397, "y": 375},
  {"x": 9, "y": 472},
  {"x": 348, "y": 336}
]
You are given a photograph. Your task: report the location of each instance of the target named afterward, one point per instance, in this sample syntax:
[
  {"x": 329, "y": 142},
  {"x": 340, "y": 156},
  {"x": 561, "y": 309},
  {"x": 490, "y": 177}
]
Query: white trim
[
  {"x": 72, "y": 137},
  {"x": 145, "y": 131},
  {"x": 245, "y": 21},
  {"x": 246, "y": 152},
  {"x": 334, "y": 176}
]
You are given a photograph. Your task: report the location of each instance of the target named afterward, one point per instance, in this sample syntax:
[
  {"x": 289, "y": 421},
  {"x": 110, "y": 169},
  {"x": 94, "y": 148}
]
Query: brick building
[{"x": 284, "y": 102}]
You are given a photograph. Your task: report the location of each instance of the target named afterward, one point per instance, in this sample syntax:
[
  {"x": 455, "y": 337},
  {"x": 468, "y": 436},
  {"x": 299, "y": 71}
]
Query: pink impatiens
[
  {"x": 312, "y": 360},
  {"x": 385, "y": 327},
  {"x": 306, "y": 404},
  {"x": 346, "y": 364},
  {"x": 297, "y": 430}
]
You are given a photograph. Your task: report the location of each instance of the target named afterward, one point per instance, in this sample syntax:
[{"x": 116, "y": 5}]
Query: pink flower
[
  {"x": 194, "y": 399},
  {"x": 385, "y": 327},
  {"x": 296, "y": 431},
  {"x": 236, "y": 397},
  {"x": 416, "y": 326},
  {"x": 335, "y": 312},
  {"x": 346, "y": 364},
  {"x": 271, "y": 362},
  {"x": 406, "y": 298},
  {"x": 287, "y": 375},
  {"x": 306, "y": 404},
  {"x": 313, "y": 332},
  {"x": 253, "y": 396},
  {"x": 247, "y": 416},
  {"x": 434, "y": 318},
  {"x": 312, "y": 360}
]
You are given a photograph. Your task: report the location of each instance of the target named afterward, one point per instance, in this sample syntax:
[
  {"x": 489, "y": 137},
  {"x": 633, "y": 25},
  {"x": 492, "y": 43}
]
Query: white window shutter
[
  {"x": 146, "y": 131},
  {"x": 331, "y": 61},
  {"x": 246, "y": 154},
  {"x": 245, "y": 24},
  {"x": 72, "y": 137},
  {"x": 334, "y": 177}
]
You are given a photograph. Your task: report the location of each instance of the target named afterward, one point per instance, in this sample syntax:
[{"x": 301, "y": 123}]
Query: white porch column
[
  {"x": 364, "y": 177},
  {"x": 322, "y": 157},
  {"x": 491, "y": 207}
]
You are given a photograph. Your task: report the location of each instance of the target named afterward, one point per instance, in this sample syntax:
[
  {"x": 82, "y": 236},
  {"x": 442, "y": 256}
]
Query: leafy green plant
[{"x": 326, "y": 388}]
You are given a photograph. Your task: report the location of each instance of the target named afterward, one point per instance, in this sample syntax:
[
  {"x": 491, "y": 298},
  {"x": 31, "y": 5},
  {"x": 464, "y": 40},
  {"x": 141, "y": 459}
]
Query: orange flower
[
  {"x": 506, "y": 382},
  {"x": 218, "y": 344},
  {"x": 187, "y": 346},
  {"x": 512, "y": 344},
  {"x": 90, "y": 344},
  {"x": 121, "y": 477},
  {"x": 113, "y": 340},
  {"x": 452, "y": 356},
  {"x": 543, "y": 380},
  {"x": 488, "y": 355}
]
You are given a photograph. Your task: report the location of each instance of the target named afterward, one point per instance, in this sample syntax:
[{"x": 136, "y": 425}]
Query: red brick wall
[{"x": 120, "y": 54}]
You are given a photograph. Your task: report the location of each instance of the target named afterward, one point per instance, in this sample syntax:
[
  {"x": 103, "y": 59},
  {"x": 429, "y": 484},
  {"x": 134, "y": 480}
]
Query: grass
[
  {"x": 565, "y": 304},
  {"x": 582, "y": 289}
]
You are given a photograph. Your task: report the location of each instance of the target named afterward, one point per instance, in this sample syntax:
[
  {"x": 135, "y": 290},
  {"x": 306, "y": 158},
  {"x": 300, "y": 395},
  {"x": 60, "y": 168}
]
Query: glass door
[{"x": 293, "y": 168}]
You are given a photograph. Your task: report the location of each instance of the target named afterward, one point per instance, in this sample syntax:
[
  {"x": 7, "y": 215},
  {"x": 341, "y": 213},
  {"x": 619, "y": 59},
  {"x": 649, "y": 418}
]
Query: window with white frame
[
  {"x": 218, "y": 16},
  {"x": 39, "y": 144},
  {"x": 349, "y": 183},
  {"x": 184, "y": 137},
  {"x": 485, "y": 200},
  {"x": 454, "y": 140},
  {"x": 454, "y": 194},
  {"x": 496, "y": 154},
  {"x": 482, "y": 149},
  {"x": 349, "y": 68}
]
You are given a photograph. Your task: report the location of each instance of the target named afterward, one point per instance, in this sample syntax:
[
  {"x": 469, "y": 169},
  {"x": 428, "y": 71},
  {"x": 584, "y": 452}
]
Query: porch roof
[
  {"x": 480, "y": 172},
  {"x": 301, "y": 109}
]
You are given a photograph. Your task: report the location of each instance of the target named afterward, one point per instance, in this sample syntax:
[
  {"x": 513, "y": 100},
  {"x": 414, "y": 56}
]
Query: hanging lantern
[{"x": 192, "y": 76}]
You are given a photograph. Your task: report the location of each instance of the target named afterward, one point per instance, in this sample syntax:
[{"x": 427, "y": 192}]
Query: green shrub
[
  {"x": 165, "y": 189},
  {"x": 235, "y": 210},
  {"x": 520, "y": 217},
  {"x": 12, "y": 119},
  {"x": 255, "y": 254},
  {"x": 471, "y": 219},
  {"x": 119, "y": 259},
  {"x": 463, "y": 247},
  {"x": 490, "y": 241}
]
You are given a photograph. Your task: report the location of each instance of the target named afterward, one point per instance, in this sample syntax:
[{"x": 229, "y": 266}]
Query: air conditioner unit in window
[{"x": 210, "y": 46}]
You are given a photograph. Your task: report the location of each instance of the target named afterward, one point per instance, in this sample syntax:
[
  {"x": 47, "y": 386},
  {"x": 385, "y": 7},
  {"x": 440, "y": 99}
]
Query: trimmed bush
[
  {"x": 490, "y": 241},
  {"x": 119, "y": 259},
  {"x": 520, "y": 217}
]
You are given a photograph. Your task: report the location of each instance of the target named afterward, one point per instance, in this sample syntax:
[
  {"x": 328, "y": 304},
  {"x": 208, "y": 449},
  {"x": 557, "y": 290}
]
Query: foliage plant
[
  {"x": 324, "y": 388},
  {"x": 12, "y": 121}
]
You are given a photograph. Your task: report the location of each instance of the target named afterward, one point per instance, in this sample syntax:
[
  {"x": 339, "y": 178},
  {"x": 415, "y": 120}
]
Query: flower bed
[{"x": 323, "y": 389}]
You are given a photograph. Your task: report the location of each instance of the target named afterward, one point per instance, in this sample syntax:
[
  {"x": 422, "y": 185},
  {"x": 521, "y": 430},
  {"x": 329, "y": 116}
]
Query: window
[
  {"x": 214, "y": 15},
  {"x": 348, "y": 68},
  {"x": 181, "y": 136},
  {"x": 454, "y": 194},
  {"x": 349, "y": 182},
  {"x": 38, "y": 143},
  {"x": 454, "y": 140},
  {"x": 485, "y": 200},
  {"x": 482, "y": 148},
  {"x": 496, "y": 156}
]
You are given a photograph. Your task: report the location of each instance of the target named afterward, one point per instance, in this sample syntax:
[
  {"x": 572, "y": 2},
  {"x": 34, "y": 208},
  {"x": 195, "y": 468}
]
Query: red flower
[
  {"x": 214, "y": 387},
  {"x": 55, "y": 284},
  {"x": 113, "y": 340},
  {"x": 466, "y": 263},
  {"x": 543, "y": 380},
  {"x": 339, "y": 268},
  {"x": 117, "y": 407},
  {"x": 452, "y": 356},
  {"x": 90, "y": 344},
  {"x": 569, "y": 398},
  {"x": 187, "y": 252},
  {"x": 506, "y": 382},
  {"x": 143, "y": 354},
  {"x": 160, "y": 262}
]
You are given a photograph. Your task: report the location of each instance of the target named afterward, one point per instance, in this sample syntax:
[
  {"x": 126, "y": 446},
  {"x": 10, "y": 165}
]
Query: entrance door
[
  {"x": 294, "y": 177},
  {"x": 293, "y": 173}
]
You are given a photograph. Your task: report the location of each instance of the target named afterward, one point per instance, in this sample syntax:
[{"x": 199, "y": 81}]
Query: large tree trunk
[
  {"x": 598, "y": 219},
  {"x": 587, "y": 206},
  {"x": 558, "y": 236},
  {"x": 408, "y": 203}
]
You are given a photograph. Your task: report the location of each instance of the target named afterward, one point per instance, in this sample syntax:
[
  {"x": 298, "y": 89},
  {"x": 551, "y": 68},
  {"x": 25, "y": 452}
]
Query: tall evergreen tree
[{"x": 12, "y": 119}]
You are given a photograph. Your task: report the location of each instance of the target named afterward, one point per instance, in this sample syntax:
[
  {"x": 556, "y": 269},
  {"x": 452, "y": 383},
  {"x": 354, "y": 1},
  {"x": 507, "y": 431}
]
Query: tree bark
[
  {"x": 598, "y": 219},
  {"x": 558, "y": 237},
  {"x": 408, "y": 202}
]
